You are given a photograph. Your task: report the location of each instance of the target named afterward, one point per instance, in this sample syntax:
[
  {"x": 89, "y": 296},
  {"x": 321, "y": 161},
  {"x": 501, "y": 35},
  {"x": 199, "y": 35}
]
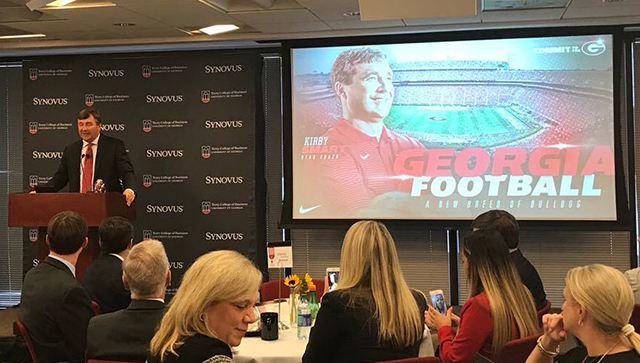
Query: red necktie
[{"x": 87, "y": 170}]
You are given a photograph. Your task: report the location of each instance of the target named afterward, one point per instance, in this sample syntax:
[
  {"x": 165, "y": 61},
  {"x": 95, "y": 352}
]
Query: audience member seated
[
  {"x": 499, "y": 308},
  {"x": 103, "y": 278},
  {"x": 507, "y": 225},
  {"x": 633, "y": 276},
  {"x": 372, "y": 315},
  {"x": 210, "y": 312},
  {"x": 124, "y": 335},
  {"x": 55, "y": 307},
  {"x": 598, "y": 302}
]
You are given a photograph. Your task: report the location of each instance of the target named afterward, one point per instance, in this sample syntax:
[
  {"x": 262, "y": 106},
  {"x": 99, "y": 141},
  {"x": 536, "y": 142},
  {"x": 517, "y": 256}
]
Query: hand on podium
[
  {"x": 32, "y": 192},
  {"x": 130, "y": 196}
]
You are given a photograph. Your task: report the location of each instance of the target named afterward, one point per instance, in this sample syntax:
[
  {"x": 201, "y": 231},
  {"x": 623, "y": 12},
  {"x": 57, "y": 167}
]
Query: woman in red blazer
[{"x": 499, "y": 308}]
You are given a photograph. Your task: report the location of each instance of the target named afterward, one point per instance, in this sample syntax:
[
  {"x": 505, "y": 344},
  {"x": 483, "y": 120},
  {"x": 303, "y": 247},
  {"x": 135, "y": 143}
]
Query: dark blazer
[
  {"x": 344, "y": 334},
  {"x": 198, "y": 348},
  {"x": 530, "y": 278},
  {"x": 103, "y": 281},
  {"x": 112, "y": 166},
  {"x": 56, "y": 310},
  {"x": 124, "y": 335}
]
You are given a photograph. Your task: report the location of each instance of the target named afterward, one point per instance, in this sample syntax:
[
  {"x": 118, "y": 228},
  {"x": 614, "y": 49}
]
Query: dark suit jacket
[
  {"x": 56, "y": 310},
  {"x": 103, "y": 281},
  {"x": 530, "y": 278},
  {"x": 124, "y": 335},
  {"x": 112, "y": 166},
  {"x": 349, "y": 334}
]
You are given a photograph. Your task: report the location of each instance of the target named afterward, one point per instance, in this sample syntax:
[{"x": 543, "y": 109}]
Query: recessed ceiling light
[
  {"x": 22, "y": 36},
  {"x": 80, "y": 6},
  {"x": 351, "y": 13},
  {"x": 124, "y": 25},
  {"x": 217, "y": 29},
  {"x": 59, "y": 3}
]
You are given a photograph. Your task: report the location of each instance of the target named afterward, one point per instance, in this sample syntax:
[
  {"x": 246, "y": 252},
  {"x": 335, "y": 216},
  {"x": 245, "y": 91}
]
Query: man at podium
[{"x": 92, "y": 158}]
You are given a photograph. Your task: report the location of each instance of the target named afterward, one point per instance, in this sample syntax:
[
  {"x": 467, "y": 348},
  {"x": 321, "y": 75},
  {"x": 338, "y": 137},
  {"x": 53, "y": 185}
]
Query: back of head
[
  {"x": 115, "y": 234},
  {"x": 343, "y": 67},
  {"x": 369, "y": 266},
  {"x": 145, "y": 268},
  {"x": 214, "y": 277},
  {"x": 66, "y": 232},
  {"x": 86, "y": 112},
  {"x": 490, "y": 270},
  {"x": 606, "y": 295},
  {"x": 503, "y": 222}
]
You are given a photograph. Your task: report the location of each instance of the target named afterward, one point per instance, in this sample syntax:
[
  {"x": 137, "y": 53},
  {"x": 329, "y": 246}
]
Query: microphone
[{"x": 82, "y": 156}]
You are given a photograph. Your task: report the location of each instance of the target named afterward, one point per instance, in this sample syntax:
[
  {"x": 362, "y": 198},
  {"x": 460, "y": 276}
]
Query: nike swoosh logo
[
  {"x": 364, "y": 156},
  {"x": 303, "y": 210}
]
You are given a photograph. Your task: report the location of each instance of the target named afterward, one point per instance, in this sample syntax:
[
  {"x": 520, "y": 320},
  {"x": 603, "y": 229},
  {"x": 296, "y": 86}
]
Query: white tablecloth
[{"x": 287, "y": 349}]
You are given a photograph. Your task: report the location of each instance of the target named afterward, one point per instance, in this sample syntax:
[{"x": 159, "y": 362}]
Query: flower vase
[{"x": 293, "y": 309}]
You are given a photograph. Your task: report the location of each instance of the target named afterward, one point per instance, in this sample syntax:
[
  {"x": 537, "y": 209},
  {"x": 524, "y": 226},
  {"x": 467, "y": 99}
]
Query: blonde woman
[
  {"x": 210, "y": 312},
  {"x": 499, "y": 309},
  {"x": 372, "y": 315},
  {"x": 598, "y": 302}
]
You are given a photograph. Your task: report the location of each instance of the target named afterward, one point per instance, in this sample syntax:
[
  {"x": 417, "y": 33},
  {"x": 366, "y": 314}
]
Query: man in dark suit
[
  {"x": 125, "y": 335},
  {"x": 103, "y": 279},
  {"x": 505, "y": 223},
  {"x": 94, "y": 157},
  {"x": 54, "y": 307}
]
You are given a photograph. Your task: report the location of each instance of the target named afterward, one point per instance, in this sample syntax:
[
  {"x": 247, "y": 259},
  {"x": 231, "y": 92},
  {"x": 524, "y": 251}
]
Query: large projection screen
[{"x": 447, "y": 130}]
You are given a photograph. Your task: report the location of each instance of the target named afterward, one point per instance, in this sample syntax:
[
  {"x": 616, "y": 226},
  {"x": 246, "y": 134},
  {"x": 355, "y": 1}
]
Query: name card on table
[{"x": 279, "y": 257}]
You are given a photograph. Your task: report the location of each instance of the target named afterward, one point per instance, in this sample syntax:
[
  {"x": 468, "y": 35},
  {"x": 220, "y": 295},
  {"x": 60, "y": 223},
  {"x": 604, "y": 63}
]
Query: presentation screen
[{"x": 447, "y": 130}]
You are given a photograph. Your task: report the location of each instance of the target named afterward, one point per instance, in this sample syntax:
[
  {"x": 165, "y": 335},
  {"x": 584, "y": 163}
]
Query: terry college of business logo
[
  {"x": 33, "y": 181},
  {"x": 147, "y": 234},
  {"x": 33, "y": 74},
  {"x": 33, "y": 234},
  {"x": 206, "y": 151},
  {"x": 146, "y": 71},
  {"x": 88, "y": 99},
  {"x": 205, "y": 96},
  {"x": 146, "y": 125},
  {"x": 33, "y": 128},
  {"x": 206, "y": 207},
  {"x": 146, "y": 180}
]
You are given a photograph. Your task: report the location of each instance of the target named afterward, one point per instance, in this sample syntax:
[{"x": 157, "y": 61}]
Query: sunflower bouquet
[{"x": 297, "y": 286}]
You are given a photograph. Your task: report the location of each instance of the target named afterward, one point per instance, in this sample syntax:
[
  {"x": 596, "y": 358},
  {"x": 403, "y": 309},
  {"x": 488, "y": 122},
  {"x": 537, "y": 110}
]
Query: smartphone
[
  {"x": 332, "y": 277},
  {"x": 437, "y": 300}
]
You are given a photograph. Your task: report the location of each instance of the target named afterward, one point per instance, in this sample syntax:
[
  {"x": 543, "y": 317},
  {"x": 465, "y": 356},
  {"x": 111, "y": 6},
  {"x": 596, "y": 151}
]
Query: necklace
[{"x": 604, "y": 355}]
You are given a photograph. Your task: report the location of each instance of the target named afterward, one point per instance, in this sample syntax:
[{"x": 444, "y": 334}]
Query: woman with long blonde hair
[
  {"x": 499, "y": 308},
  {"x": 598, "y": 302},
  {"x": 210, "y": 312},
  {"x": 372, "y": 315}
]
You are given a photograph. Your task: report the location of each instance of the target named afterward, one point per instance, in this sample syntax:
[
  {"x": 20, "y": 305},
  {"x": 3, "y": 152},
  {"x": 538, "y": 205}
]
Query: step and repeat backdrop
[{"x": 189, "y": 124}]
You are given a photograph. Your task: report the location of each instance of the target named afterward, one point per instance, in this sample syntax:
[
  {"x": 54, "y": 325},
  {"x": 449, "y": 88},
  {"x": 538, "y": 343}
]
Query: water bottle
[{"x": 304, "y": 318}]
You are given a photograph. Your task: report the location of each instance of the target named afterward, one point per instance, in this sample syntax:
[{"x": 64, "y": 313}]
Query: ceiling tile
[
  {"x": 606, "y": 10},
  {"x": 190, "y": 12},
  {"x": 291, "y": 27},
  {"x": 335, "y": 14},
  {"x": 168, "y": 32},
  {"x": 46, "y": 27},
  {"x": 328, "y": 4},
  {"x": 276, "y": 16},
  {"x": 522, "y": 15},
  {"x": 106, "y": 17},
  {"x": 93, "y": 35},
  {"x": 358, "y": 24}
]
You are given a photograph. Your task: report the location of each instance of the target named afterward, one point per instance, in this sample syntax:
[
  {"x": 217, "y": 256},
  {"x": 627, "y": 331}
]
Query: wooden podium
[{"x": 35, "y": 210}]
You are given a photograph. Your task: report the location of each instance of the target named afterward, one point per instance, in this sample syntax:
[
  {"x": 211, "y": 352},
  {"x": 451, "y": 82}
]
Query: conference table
[{"x": 288, "y": 348}]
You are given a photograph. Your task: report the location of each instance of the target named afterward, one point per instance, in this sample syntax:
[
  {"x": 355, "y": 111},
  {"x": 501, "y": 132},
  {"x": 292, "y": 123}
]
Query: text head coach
[{"x": 95, "y": 156}]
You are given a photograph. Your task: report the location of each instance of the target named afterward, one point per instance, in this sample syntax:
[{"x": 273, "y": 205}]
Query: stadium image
[{"x": 460, "y": 104}]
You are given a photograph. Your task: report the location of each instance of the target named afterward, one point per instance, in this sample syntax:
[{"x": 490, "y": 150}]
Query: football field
[{"x": 453, "y": 125}]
